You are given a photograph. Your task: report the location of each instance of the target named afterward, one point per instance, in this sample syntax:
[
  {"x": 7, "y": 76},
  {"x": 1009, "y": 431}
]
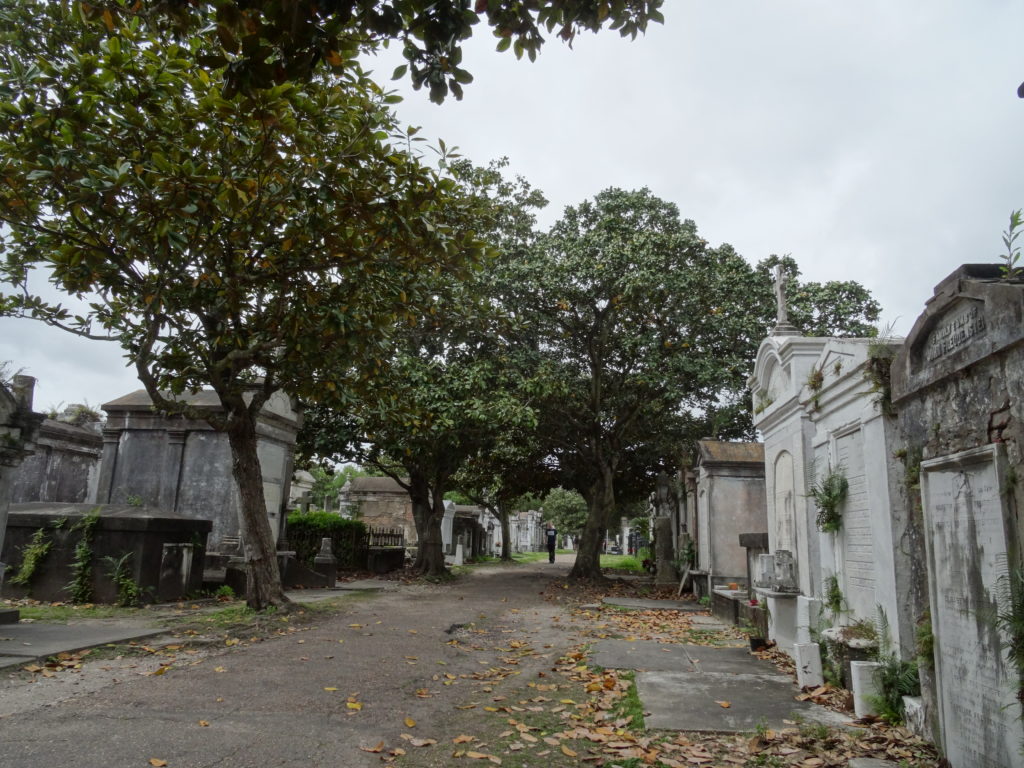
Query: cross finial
[{"x": 781, "y": 314}]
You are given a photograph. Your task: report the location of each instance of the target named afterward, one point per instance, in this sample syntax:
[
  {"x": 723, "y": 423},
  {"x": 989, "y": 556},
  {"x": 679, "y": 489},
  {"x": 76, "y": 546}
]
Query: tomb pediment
[{"x": 973, "y": 313}]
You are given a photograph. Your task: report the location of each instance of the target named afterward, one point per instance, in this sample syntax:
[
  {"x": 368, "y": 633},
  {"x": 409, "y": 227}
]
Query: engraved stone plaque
[
  {"x": 955, "y": 330},
  {"x": 967, "y": 570}
]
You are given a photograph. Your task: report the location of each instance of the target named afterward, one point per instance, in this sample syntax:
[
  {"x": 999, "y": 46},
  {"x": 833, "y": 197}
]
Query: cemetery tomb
[{"x": 958, "y": 386}]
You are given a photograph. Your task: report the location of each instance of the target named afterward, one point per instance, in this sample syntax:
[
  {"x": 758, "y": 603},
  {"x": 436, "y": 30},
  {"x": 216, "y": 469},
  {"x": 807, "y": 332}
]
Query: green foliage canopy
[
  {"x": 246, "y": 244},
  {"x": 566, "y": 509},
  {"x": 643, "y": 337},
  {"x": 265, "y": 42}
]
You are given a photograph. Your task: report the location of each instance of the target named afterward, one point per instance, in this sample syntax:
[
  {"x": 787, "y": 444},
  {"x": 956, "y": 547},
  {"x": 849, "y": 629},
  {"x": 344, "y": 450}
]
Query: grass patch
[
  {"x": 529, "y": 557},
  {"x": 622, "y": 563},
  {"x": 630, "y": 706},
  {"x": 62, "y": 613}
]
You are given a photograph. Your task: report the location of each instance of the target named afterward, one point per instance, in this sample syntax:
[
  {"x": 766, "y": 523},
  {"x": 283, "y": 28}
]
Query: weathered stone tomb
[{"x": 958, "y": 385}]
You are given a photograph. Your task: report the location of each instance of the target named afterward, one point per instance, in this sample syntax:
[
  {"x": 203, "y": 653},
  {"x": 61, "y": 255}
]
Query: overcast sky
[{"x": 875, "y": 141}]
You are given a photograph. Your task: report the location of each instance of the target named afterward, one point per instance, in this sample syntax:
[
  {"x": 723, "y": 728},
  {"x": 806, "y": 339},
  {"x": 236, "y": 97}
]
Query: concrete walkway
[
  {"x": 28, "y": 641},
  {"x": 654, "y": 605},
  {"x": 700, "y": 688},
  {"x": 23, "y": 642}
]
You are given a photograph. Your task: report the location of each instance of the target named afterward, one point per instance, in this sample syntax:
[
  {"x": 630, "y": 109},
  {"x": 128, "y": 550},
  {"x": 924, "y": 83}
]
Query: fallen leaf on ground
[
  {"x": 723, "y": 704},
  {"x": 378, "y": 748},
  {"x": 418, "y": 742},
  {"x": 462, "y": 739},
  {"x": 156, "y": 762},
  {"x": 409, "y": 722}
]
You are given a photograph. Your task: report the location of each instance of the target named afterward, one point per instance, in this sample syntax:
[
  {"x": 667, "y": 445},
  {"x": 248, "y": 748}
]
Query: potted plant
[{"x": 757, "y": 642}]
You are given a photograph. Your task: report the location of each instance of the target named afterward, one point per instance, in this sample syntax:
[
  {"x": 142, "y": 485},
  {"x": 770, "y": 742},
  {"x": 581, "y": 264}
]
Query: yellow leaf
[
  {"x": 409, "y": 722},
  {"x": 204, "y": 724},
  {"x": 567, "y": 752},
  {"x": 331, "y": 688},
  {"x": 156, "y": 762},
  {"x": 378, "y": 748},
  {"x": 356, "y": 705},
  {"x": 723, "y": 704},
  {"x": 463, "y": 739},
  {"x": 219, "y": 669},
  {"x": 160, "y": 671}
]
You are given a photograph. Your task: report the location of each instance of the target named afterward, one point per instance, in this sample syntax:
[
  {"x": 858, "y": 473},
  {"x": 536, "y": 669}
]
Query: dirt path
[
  {"x": 307, "y": 698},
  {"x": 490, "y": 670}
]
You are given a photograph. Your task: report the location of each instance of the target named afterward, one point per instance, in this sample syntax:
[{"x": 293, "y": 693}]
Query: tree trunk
[
  {"x": 600, "y": 504},
  {"x": 506, "y": 534},
  {"x": 419, "y": 493},
  {"x": 432, "y": 545},
  {"x": 263, "y": 584}
]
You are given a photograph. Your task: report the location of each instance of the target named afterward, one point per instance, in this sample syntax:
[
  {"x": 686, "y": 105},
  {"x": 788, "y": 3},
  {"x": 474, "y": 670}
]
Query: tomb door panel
[
  {"x": 967, "y": 579},
  {"x": 784, "y": 504},
  {"x": 857, "y": 551}
]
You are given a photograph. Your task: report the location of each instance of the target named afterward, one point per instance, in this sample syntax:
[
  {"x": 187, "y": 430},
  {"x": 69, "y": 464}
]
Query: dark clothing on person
[{"x": 552, "y": 535}]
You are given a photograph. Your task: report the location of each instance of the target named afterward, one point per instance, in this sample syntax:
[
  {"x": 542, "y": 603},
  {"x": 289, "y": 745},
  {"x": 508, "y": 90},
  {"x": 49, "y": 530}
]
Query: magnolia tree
[
  {"x": 448, "y": 394},
  {"x": 245, "y": 244},
  {"x": 645, "y": 335},
  {"x": 269, "y": 41}
]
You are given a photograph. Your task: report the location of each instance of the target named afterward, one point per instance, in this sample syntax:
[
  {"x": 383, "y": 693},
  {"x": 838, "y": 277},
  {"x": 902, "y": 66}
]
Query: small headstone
[
  {"x": 326, "y": 563},
  {"x": 862, "y": 678},
  {"x": 808, "y": 612},
  {"x": 915, "y": 718},
  {"x": 666, "y": 573},
  {"x": 808, "y": 664}
]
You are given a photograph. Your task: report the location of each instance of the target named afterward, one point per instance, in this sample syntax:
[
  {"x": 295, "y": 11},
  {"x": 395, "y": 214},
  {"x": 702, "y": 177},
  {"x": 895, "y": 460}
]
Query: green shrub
[
  {"x": 305, "y": 530},
  {"x": 32, "y": 555},
  {"x": 129, "y": 593},
  {"x": 895, "y": 679}
]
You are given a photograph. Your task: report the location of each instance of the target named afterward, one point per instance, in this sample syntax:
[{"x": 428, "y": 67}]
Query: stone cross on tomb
[
  {"x": 782, "y": 324},
  {"x": 781, "y": 314}
]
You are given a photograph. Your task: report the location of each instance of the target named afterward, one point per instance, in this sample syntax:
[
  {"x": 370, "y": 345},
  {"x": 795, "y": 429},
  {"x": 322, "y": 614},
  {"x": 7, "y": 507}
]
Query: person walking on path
[{"x": 552, "y": 538}]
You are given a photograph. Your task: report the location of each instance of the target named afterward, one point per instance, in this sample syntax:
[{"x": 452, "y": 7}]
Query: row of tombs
[
  {"x": 886, "y": 514},
  {"x": 152, "y": 498},
  {"x": 878, "y": 520}
]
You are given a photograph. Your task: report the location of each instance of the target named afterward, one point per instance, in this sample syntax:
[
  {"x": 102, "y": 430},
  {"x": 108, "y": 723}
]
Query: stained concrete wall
[
  {"x": 183, "y": 466},
  {"x": 18, "y": 427},
  {"x": 730, "y": 501},
  {"x": 64, "y": 466},
  {"x": 165, "y": 551}
]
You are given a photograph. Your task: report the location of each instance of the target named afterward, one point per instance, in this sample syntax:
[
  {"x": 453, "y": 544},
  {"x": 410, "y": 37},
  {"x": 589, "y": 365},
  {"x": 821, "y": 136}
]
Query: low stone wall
[
  {"x": 733, "y": 607},
  {"x": 166, "y": 559}
]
